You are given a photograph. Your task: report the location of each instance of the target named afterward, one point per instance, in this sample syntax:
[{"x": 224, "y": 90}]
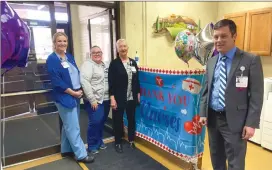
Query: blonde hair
[{"x": 58, "y": 34}]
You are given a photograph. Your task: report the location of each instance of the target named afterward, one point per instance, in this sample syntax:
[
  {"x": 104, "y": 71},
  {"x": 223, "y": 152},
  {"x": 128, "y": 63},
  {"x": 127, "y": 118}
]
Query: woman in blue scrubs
[{"x": 66, "y": 91}]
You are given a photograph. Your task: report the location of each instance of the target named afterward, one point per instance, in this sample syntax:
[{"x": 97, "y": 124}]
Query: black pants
[
  {"x": 224, "y": 144},
  {"x": 118, "y": 122}
]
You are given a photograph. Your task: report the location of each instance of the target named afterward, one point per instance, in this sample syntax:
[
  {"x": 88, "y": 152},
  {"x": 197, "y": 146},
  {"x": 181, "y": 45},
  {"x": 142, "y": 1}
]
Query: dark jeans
[{"x": 97, "y": 119}]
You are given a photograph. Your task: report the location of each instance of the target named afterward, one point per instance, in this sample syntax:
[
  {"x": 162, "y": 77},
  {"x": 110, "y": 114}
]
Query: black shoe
[
  {"x": 68, "y": 154},
  {"x": 132, "y": 145},
  {"x": 119, "y": 148},
  {"x": 87, "y": 159}
]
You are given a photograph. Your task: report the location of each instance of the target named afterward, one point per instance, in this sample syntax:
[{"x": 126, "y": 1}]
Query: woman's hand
[
  {"x": 94, "y": 106},
  {"x": 113, "y": 103},
  {"x": 77, "y": 94}
]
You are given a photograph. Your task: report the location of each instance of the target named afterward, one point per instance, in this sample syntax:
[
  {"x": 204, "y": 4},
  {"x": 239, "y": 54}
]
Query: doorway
[
  {"x": 29, "y": 119},
  {"x": 102, "y": 32}
]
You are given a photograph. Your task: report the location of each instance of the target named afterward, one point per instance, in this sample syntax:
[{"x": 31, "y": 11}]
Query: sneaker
[
  {"x": 94, "y": 151},
  {"x": 87, "y": 159},
  {"x": 103, "y": 146}
]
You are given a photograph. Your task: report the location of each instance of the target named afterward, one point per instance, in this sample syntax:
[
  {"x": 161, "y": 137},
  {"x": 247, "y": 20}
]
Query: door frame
[
  {"x": 105, "y": 12},
  {"x": 67, "y": 30},
  {"x": 89, "y": 24},
  {"x": 107, "y": 5},
  {"x": 41, "y": 152}
]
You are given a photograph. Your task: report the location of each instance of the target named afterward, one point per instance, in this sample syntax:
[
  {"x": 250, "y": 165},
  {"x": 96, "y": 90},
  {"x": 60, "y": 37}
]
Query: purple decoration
[
  {"x": 215, "y": 52},
  {"x": 15, "y": 38}
]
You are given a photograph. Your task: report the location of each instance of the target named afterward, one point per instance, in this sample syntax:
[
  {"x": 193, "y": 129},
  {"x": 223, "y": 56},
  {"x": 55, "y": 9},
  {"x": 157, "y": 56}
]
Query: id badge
[
  {"x": 133, "y": 69},
  {"x": 241, "y": 81},
  {"x": 65, "y": 64}
]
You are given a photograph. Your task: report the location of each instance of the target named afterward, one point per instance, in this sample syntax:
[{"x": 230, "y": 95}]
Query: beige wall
[
  {"x": 158, "y": 51},
  {"x": 232, "y": 7},
  {"x": 132, "y": 26},
  {"x": 75, "y": 34}
]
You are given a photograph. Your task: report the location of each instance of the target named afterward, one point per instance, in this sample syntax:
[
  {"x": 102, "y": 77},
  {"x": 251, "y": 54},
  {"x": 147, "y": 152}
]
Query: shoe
[
  {"x": 132, "y": 145},
  {"x": 68, "y": 154},
  {"x": 87, "y": 159},
  {"x": 119, "y": 148},
  {"x": 94, "y": 151},
  {"x": 103, "y": 146}
]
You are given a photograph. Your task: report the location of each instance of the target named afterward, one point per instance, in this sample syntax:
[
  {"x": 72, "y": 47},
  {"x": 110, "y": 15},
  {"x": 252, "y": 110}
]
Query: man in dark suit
[{"x": 232, "y": 99}]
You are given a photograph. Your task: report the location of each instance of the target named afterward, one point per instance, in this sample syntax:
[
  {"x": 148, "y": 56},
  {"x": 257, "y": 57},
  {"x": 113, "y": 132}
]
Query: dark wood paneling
[{"x": 34, "y": 154}]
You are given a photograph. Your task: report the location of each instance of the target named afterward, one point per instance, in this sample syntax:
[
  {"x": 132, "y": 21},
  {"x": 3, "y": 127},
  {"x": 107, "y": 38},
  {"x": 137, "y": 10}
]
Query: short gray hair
[{"x": 119, "y": 41}]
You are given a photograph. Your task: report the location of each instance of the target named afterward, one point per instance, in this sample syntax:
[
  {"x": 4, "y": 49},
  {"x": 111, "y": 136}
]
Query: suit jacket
[
  {"x": 243, "y": 106},
  {"x": 118, "y": 82},
  {"x": 61, "y": 80}
]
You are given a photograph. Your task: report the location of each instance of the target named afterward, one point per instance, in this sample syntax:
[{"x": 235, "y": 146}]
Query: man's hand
[
  {"x": 248, "y": 132},
  {"x": 94, "y": 106},
  {"x": 203, "y": 121}
]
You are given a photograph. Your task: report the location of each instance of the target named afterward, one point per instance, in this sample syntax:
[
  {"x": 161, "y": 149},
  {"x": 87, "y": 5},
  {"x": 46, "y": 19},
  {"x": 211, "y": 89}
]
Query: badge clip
[{"x": 242, "y": 68}]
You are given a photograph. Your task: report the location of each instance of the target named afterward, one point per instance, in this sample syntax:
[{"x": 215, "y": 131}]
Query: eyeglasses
[{"x": 97, "y": 53}]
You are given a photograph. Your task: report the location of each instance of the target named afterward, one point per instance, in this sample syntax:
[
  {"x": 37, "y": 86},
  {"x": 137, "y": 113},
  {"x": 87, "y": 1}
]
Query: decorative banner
[
  {"x": 174, "y": 24},
  {"x": 168, "y": 113}
]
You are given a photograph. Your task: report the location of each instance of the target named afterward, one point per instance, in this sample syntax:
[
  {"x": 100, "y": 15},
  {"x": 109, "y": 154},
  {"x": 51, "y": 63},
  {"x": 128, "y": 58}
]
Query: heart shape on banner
[
  {"x": 159, "y": 81},
  {"x": 193, "y": 127}
]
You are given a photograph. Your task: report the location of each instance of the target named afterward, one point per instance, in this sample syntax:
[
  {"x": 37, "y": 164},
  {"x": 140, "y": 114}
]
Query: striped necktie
[{"x": 223, "y": 81}]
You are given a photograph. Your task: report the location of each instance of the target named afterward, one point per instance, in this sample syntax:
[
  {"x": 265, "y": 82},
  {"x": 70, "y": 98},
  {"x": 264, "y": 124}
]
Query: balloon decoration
[
  {"x": 190, "y": 40},
  {"x": 204, "y": 46},
  {"x": 15, "y": 38},
  {"x": 184, "y": 45},
  {"x": 174, "y": 24},
  {"x": 200, "y": 46}
]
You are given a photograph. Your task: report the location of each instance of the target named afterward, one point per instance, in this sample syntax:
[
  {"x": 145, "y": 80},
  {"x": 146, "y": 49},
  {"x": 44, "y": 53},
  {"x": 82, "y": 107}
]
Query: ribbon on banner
[{"x": 168, "y": 112}]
